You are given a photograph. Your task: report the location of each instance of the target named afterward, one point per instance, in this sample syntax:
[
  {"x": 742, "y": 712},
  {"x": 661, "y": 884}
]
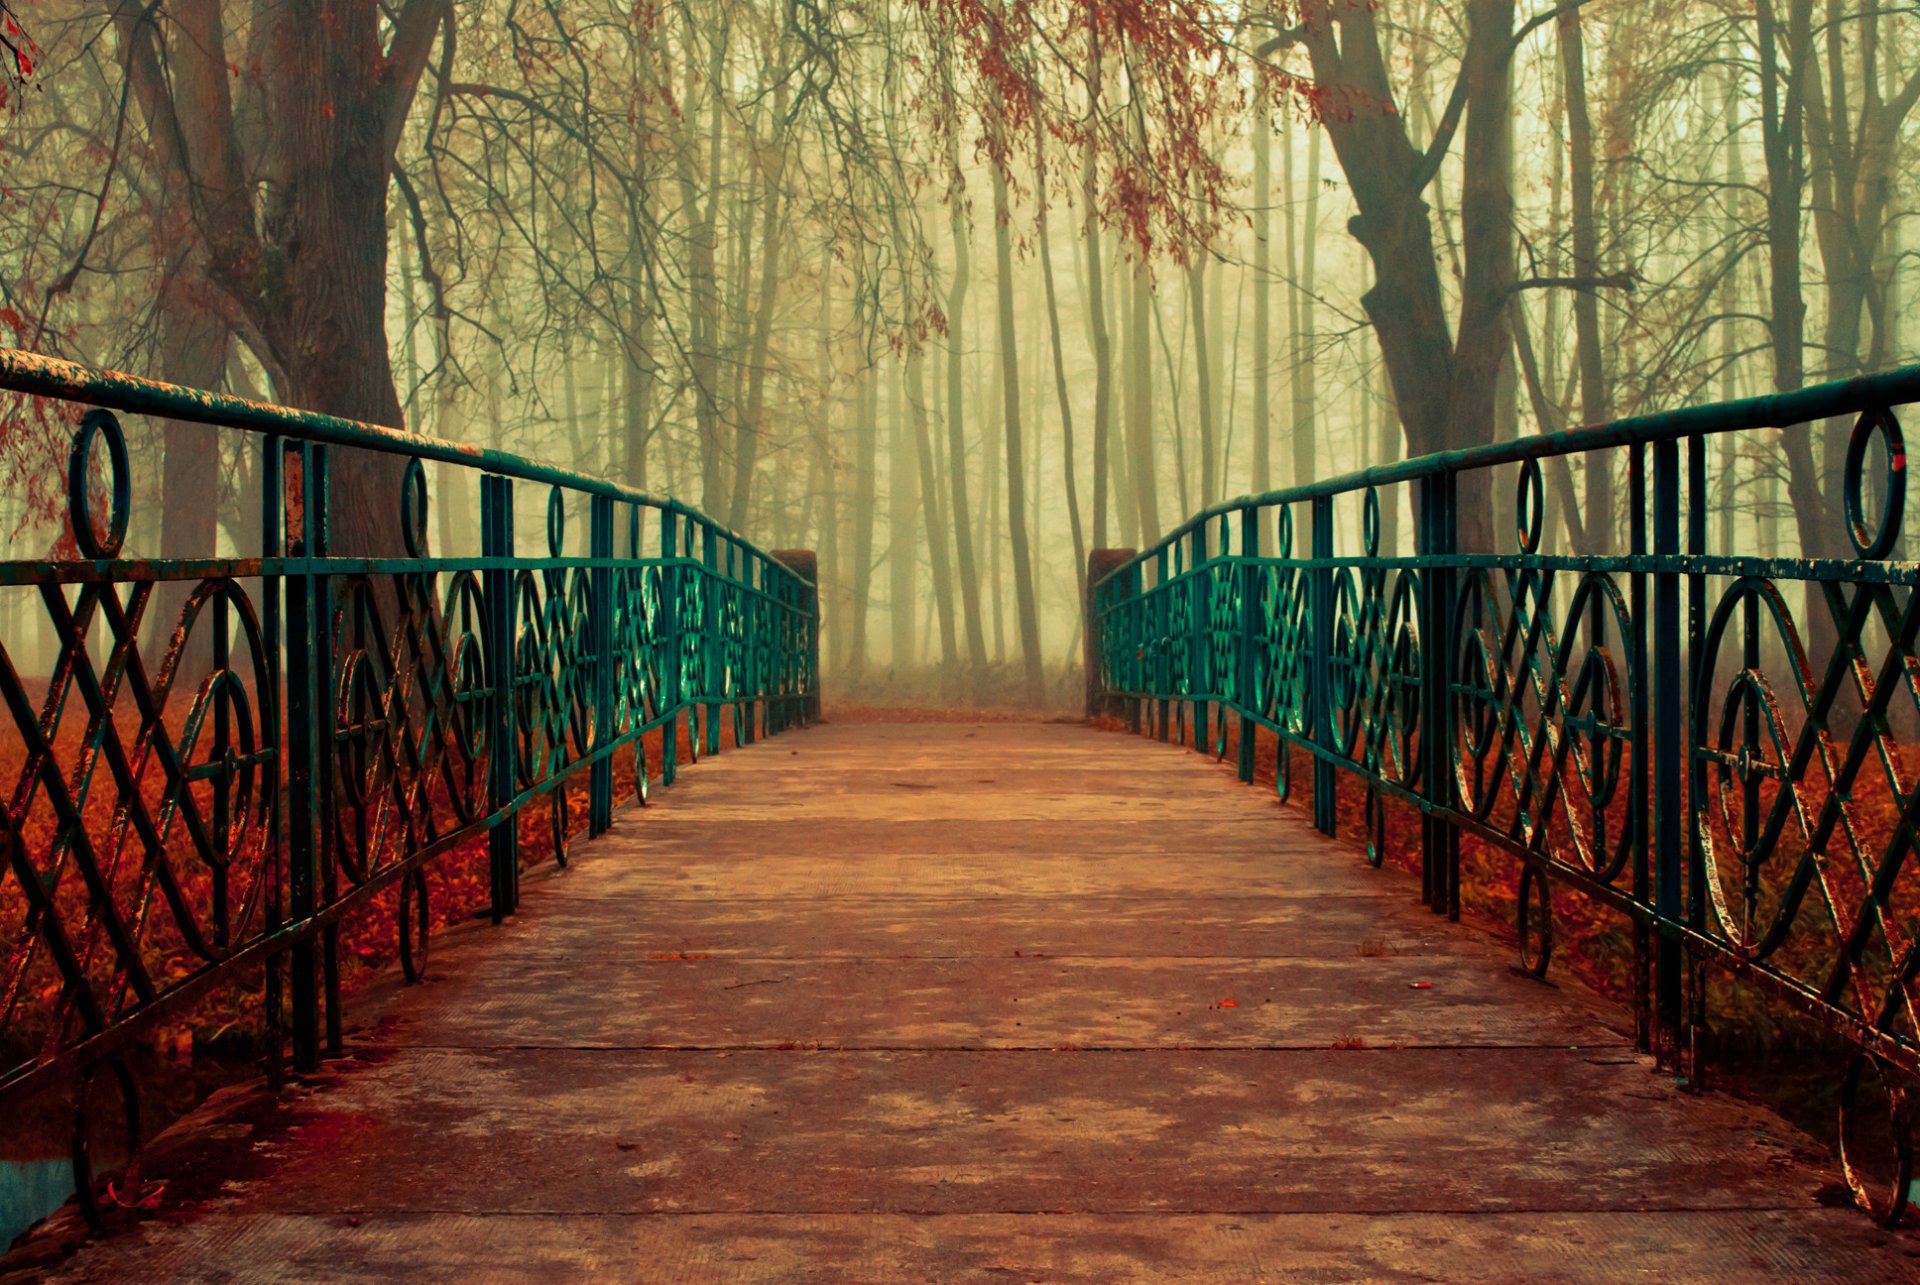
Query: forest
[{"x": 954, "y": 291}]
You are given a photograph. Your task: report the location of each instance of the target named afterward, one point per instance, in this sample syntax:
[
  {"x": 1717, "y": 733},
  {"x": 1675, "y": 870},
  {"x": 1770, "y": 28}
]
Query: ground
[{"x": 994, "y": 1001}]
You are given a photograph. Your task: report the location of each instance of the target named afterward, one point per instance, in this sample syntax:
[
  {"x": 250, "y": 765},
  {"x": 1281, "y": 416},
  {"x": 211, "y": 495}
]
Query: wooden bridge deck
[{"x": 996, "y": 1001}]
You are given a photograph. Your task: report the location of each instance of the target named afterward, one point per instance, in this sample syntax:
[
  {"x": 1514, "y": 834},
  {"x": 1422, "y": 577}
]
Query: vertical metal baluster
[
  {"x": 753, "y": 628},
  {"x": 600, "y": 585},
  {"x": 1440, "y": 837},
  {"x": 670, "y": 682},
  {"x": 1640, "y": 765},
  {"x": 1668, "y": 841},
  {"x": 713, "y": 659},
  {"x": 503, "y": 840},
  {"x": 319, "y": 510},
  {"x": 1694, "y": 1013},
  {"x": 302, "y": 847},
  {"x": 1136, "y": 617},
  {"x": 222, "y": 781},
  {"x": 1247, "y": 693},
  {"x": 1162, "y": 656},
  {"x": 811, "y": 592},
  {"x": 1198, "y": 634},
  {"x": 1324, "y": 781},
  {"x": 272, "y": 544},
  {"x": 1436, "y": 733}
]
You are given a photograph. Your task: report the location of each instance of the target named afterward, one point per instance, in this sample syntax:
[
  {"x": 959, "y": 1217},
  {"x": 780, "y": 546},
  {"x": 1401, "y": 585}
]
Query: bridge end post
[
  {"x": 1100, "y": 563},
  {"x": 805, "y": 563}
]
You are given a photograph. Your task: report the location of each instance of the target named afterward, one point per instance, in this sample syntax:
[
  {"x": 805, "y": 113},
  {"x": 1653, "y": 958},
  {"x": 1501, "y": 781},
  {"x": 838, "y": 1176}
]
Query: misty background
[{"x": 954, "y": 293}]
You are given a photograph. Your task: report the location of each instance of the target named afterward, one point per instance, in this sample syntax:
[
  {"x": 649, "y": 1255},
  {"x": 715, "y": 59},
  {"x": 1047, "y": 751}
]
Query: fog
[{"x": 954, "y": 293}]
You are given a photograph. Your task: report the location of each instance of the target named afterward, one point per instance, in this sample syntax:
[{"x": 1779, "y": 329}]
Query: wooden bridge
[
  {"x": 981, "y": 1001},
  {"x": 963, "y": 1000}
]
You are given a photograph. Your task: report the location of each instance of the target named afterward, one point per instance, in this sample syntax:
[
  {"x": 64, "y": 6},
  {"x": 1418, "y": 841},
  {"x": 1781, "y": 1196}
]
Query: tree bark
[
  {"x": 1595, "y": 400},
  {"x": 957, "y": 437},
  {"x": 1023, "y": 593}
]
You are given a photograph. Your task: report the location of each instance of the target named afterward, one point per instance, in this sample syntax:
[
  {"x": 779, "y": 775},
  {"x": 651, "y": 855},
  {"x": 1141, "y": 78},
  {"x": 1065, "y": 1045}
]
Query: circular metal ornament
[
  {"x": 1889, "y": 1208},
  {"x": 102, "y": 424},
  {"x": 1876, "y": 543},
  {"x": 413, "y": 917},
  {"x": 1529, "y": 506},
  {"x": 1370, "y": 522},
  {"x": 413, "y": 508},
  {"x": 556, "y": 522},
  {"x": 1536, "y": 898},
  {"x": 1286, "y": 531},
  {"x": 82, "y": 1152}
]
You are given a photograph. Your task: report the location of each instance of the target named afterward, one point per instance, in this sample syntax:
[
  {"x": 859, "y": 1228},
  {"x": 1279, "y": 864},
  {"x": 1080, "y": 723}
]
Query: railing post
[
  {"x": 747, "y": 681},
  {"x": 1162, "y": 652},
  {"x": 319, "y": 505},
  {"x": 1137, "y": 708},
  {"x": 600, "y": 586},
  {"x": 1669, "y": 697},
  {"x": 1246, "y": 690},
  {"x": 273, "y": 494},
  {"x": 1693, "y": 1013},
  {"x": 1324, "y": 781},
  {"x": 496, "y": 548},
  {"x": 712, "y": 666},
  {"x": 1439, "y": 837},
  {"x": 670, "y": 685},
  {"x": 1100, "y": 564},
  {"x": 1198, "y": 631},
  {"x": 304, "y": 703},
  {"x": 1640, "y": 760},
  {"x": 805, "y": 563}
]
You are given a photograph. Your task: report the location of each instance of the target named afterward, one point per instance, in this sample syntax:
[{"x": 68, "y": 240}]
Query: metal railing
[
  {"x": 1661, "y": 729},
  {"x": 317, "y": 728}
]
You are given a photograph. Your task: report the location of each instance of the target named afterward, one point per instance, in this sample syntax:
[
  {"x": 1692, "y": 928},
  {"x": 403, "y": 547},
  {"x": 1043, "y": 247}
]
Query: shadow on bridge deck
[{"x": 1006, "y": 1001}]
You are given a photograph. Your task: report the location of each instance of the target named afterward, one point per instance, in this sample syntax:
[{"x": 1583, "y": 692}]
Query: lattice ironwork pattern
[
  {"x": 312, "y": 730},
  {"x": 1719, "y": 747}
]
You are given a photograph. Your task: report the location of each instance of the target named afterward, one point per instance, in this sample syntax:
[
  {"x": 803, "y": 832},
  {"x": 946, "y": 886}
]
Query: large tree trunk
[
  {"x": 1782, "y": 146},
  {"x": 1097, "y": 311},
  {"x": 1068, "y": 472},
  {"x": 749, "y": 432},
  {"x": 1262, "y": 300},
  {"x": 957, "y": 441},
  {"x": 310, "y": 274},
  {"x": 1485, "y": 342},
  {"x": 703, "y": 303},
  {"x": 1595, "y": 402},
  {"x": 902, "y": 501},
  {"x": 193, "y": 352},
  {"x": 1203, "y": 369},
  {"x": 334, "y": 170},
  {"x": 1023, "y": 593},
  {"x": 1445, "y": 388},
  {"x": 865, "y": 488},
  {"x": 1146, "y": 489},
  {"x": 937, "y": 527},
  {"x": 1302, "y": 281}
]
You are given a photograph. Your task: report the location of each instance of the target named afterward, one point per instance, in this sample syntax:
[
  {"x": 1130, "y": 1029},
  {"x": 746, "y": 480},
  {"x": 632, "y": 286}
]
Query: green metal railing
[
  {"x": 1661, "y": 729},
  {"x": 317, "y": 728}
]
